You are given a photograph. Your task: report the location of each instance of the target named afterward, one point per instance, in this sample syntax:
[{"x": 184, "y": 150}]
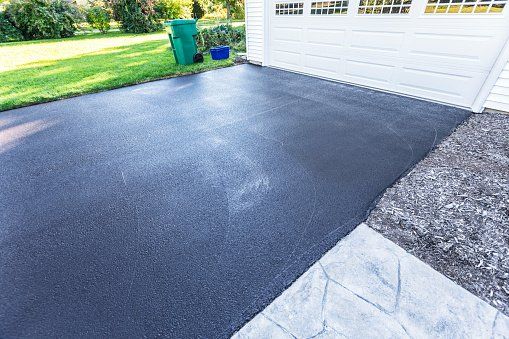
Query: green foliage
[
  {"x": 99, "y": 18},
  {"x": 7, "y": 30},
  {"x": 137, "y": 16},
  {"x": 43, "y": 19},
  {"x": 198, "y": 10},
  {"x": 174, "y": 9},
  {"x": 215, "y": 12},
  {"x": 234, "y": 8},
  {"x": 223, "y": 9},
  {"x": 235, "y": 37},
  {"x": 238, "y": 11}
]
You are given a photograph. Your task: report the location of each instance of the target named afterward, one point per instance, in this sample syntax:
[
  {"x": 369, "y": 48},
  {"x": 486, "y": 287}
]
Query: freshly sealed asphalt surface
[{"x": 180, "y": 208}]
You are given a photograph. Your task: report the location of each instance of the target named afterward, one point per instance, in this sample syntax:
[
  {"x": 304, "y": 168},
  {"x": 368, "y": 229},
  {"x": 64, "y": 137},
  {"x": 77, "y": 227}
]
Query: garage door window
[
  {"x": 290, "y": 8},
  {"x": 329, "y": 7},
  {"x": 465, "y": 6},
  {"x": 384, "y": 6}
]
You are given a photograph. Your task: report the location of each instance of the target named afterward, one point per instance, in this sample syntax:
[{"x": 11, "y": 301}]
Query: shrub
[
  {"x": 43, "y": 19},
  {"x": 173, "y": 9},
  {"x": 99, "y": 18},
  {"x": 136, "y": 16},
  {"x": 7, "y": 30},
  {"x": 235, "y": 37}
]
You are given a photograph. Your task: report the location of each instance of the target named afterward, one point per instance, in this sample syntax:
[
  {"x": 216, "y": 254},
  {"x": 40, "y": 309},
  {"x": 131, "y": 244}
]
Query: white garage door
[{"x": 441, "y": 50}]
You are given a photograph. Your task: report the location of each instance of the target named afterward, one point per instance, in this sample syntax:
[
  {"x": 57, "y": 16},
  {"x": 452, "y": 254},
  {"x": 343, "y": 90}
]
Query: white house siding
[
  {"x": 255, "y": 30},
  {"x": 499, "y": 95}
]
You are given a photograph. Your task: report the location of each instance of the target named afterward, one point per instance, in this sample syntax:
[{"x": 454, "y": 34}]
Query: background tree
[
  {"x": 7, "y": 30},
  {"x": 233, "y": 8},
  {"x": 43, "y": 19},
  {"x": 99, "y": 18},
  {"x": 198, "y": 11},
  {"x": 136, "y": 16},
  {"x": 174, "y": 9}
]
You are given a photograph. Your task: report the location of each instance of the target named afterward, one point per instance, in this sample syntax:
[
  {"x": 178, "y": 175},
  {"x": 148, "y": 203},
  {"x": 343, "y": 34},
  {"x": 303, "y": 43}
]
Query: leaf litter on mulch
[{"x": 452, "y": 209}]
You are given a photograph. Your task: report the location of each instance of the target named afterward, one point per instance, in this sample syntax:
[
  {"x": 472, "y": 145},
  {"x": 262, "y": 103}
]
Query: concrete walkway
[{"x": 368, "y": 287}]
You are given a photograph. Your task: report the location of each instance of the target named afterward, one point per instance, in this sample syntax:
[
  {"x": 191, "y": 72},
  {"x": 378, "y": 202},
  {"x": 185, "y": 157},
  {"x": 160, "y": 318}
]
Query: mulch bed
[{"x": 452, "y": 209}]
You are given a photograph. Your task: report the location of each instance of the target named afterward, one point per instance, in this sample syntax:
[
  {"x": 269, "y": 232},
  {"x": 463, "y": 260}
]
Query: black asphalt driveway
[{"x": 180, "y": 208}]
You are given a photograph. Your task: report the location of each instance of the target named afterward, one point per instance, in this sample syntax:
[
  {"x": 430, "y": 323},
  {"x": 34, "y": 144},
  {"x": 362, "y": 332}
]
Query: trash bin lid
[{"x": 180, "y": 22}]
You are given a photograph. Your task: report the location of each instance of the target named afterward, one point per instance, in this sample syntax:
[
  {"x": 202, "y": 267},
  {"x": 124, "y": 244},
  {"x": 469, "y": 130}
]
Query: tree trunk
[{"x": 228, "y": 11}]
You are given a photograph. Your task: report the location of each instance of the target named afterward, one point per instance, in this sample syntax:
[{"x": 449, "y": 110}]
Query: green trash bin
[{"x": 182, "y": 34}]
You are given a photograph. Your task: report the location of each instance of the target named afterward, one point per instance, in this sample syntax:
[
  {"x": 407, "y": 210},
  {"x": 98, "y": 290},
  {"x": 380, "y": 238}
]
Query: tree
[
  {"x": 43, "y": 19},
  {"x": 8, "y": 32},
  {"x": 231, "y": 6},
  {"x": 136, "y": 16},
  {"x": 173, "y": 9},
  {"x": 198, "y": 11},
  {"x": 99, "y": 18}
]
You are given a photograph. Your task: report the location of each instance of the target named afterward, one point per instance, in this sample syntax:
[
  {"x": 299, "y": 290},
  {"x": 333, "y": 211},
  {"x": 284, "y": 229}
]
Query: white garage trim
[{"x": 440, "y": 57}]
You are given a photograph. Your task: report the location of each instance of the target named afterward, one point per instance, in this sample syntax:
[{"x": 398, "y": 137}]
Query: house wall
[
  {"x": 499, "y": 96},
  {"x": 255, "y": 30}
]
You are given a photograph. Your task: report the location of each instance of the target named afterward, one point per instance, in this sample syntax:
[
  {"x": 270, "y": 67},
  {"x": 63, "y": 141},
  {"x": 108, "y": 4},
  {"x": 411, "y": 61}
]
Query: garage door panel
[
  {"x": 328, "y": 51},
  {"x": 448, "y": 54},
  {"x": 325, "y": 66},
  {"x": 332, "y": 37},
  {"x": 373, "y": 57},
  {"x": 442, "y": 84},
  {"x": 439, "y": 57},
  {"x": 285, "y": 58},
  {"x": 328, "y": 23},
  {"x": 290, "y": 46},
  {"x": 372, "y": 52},
  {"x": 288, "y": 34},
  {"x": 454, "y": 48},
  {"x": 369, "y": 71},
  {"x": 377, "y": 41}
]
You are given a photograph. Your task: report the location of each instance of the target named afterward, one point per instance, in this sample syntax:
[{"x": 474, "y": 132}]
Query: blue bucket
[{"x": 220, "y": 52}]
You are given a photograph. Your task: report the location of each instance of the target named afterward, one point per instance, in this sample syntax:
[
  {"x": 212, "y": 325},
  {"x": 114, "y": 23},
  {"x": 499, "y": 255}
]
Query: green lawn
[{"x": 45, "y": 70}]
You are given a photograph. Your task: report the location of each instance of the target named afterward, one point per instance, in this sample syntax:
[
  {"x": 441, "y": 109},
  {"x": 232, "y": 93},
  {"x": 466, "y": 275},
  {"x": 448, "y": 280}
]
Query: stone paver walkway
[{"x": 368, "y": 287}]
